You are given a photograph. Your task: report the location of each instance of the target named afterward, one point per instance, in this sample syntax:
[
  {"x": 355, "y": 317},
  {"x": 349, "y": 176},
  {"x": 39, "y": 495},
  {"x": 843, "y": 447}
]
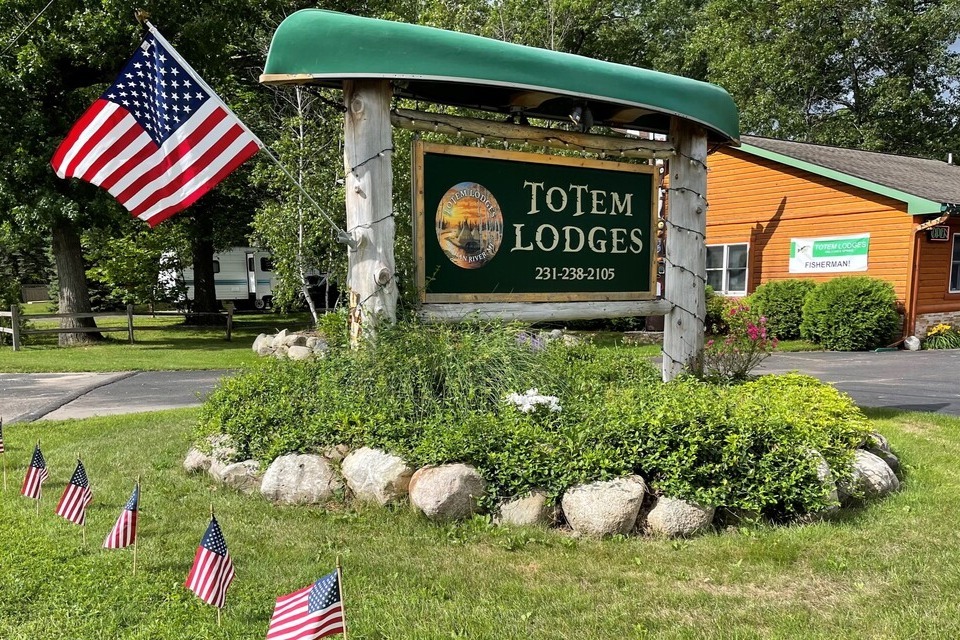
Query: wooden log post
[
  {"x": 15, "y": 326},
  {"x": 367, "y": 159},
  {"x": 686, "y": 251}
]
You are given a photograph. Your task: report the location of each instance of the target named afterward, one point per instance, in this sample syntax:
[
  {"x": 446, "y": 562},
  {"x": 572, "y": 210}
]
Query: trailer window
[
  {"x": 266, "y": 264},
  {"x": 216, "y": 266},
  {"x": 250, "y": 264}
]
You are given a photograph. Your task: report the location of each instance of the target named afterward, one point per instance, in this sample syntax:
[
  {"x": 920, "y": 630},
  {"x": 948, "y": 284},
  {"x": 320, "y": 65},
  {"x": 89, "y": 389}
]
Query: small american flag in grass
[
  {"x": 1, "y": 435},
  {"x": 77, "y": 495},
  {"x": 316, "y": 611},
  {"x": 36, "y": 474},
  {"x": 212, "y": 570},
  {"x": 124, "y": 532}
]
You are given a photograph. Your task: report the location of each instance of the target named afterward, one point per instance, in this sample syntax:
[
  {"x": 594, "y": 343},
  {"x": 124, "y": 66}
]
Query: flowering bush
[
  {"x": 942, "y": 336},
  {"x": 748, "y": 342}
]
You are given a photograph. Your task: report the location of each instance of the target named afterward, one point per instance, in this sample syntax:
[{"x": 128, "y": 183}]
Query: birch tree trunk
[
  {"x": 367, "y": 154},
  {"x": 686, "y": 251}
]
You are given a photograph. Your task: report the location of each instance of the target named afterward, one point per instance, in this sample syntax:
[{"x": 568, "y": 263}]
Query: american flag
[
  {"x": 73, "y": 503},
  {"x": 157, "y": 139},
  {"x": 212, "y": 570},
  {"x": 316, "y": 611},
  {"x": 36, "y": 474},
  {"x": 125, "y": 530}
]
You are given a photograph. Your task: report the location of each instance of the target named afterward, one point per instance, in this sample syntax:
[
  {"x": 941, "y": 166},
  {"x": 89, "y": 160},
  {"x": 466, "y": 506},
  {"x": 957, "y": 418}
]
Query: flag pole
[
  {"x": 218, "y": 608},
  {"x": 135, "y": 536},
  {"x": 4, "y": 454},
  {"x": 39, "y": 488},
  {"x": 83, "y": 527},
  {"x": 343, "y": 605}
]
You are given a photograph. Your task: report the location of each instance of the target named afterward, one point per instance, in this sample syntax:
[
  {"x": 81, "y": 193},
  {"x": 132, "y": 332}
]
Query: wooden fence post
[
  {"x": 130, "y": 323},
  {"x": 229, "y": 321},
  {"x": 686, "y": 251},
  {"x": 15, "y": 325}
]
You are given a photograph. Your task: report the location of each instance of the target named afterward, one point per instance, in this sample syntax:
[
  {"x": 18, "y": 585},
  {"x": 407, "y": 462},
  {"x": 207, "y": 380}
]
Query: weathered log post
[
  {"x": 686, "y": 252},
  {"x": 367, "y": 159}
]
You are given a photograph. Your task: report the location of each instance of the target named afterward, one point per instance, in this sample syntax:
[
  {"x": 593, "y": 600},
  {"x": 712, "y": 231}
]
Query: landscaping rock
[
  {"x": 295, "y": 340},
  {"x": 196, "y": 461},
  {"x": 604, "y": 508},
  {"x": 222, "y": 447},
  {"x": 447, "y": 492},
  {"x": 677, "y": 518},
  {"x": 376, "y": 476},
  {"x": 872, "y": 477},
  {"x": 337, "y": 453},
  {"x": 300, "y": 479},
  {"x": 242, "y": 476},
  {"x": 216, "y": 469},
  {"x": 299, "y": 353},
  {"x": 531, "y": 510},
  {"x": 262, "y": 341},
  {"x": 892, "y": 461},
  {"x": 912, "y": 343},
  {"x": 876, "y": 440}
]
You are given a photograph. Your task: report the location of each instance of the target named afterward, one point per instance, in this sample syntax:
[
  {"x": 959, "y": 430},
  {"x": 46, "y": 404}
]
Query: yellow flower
[{"x": 939, "y": 330}]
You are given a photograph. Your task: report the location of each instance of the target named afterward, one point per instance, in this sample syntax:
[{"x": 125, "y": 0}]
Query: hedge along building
[
  {"x": 376, "y": 61},
  {"x": 782, "y": 209}
]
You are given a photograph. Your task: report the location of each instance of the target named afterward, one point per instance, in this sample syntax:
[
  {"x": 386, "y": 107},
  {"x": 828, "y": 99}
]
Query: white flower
[{"x": 531, "y": 400}]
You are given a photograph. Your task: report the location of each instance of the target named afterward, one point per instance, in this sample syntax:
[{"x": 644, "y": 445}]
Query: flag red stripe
[
  {"x": 96, "y": 138},
  {"x": 249, "y": 151},
  {"x": 145, "y": 152},
  {"x": 171, "y": 157},
  {"x": 75, "y": 133},
  {"x": 111, "y": 153},
  {"x": 191, "y": 171}
]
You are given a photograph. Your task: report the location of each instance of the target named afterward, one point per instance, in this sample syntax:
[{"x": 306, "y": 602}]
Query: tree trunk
[
  {"x": 73, "y": 298},
  {"x": 204, "y": 291}
]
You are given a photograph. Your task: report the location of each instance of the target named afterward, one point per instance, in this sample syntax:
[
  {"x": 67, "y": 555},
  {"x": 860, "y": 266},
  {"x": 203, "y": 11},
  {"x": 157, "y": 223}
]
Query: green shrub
[
  {"x": 851, "y": 314},
  {"x": 781, "y": 303},
  {"x": 717, "y": 307}
]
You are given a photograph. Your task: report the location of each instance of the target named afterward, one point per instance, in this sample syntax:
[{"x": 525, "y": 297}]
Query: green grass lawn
[
  {"x": 886, "y": 571},
  {"x": 161, "y": 343}
]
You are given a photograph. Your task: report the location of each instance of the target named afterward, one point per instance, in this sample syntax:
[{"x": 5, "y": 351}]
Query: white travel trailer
[{"x": 242, "y": 275}]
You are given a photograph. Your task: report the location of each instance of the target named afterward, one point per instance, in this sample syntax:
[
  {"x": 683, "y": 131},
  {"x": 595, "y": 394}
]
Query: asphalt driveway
[{"x": 906, "y": 380}]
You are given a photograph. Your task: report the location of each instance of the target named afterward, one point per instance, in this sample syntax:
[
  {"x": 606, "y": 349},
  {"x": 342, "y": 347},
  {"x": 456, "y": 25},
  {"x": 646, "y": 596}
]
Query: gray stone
[
  {"x": 528, "y": 510},
  {"x": 300, "y": 479},
  {"x": 299, "y": 353},
  {"x": 871, "y": 478},
  {"x": 196, "y": 461},
  {"x": 222, "y": 447},
  {"x": 262, "y": 341},
  {"x": 243, "y": 476},
  {"x": 337, "y": 453},
  {"x": 912, "y": 343},
  {"x": 295, "y": 340},
  {"x": 447, "y": 492},
  {"x": 280, "y": 337},
  {"x": 216, "y": 469},
  {"x": 876, "y": 440},
  {"x": 375, "y": 476},
  {"x": 265, "y": 350},
  {"x": 675, "y": 517},
  {"x": 892, "y": 461},
  {"x": 604, "y": 508},
  {"x": 280, "y": 352}
]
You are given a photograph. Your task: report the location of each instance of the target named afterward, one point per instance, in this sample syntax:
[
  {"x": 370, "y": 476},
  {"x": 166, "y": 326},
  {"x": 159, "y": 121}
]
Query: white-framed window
[
  {"x": 955, "y": 265},
  {"x": 727, "y": 268}
]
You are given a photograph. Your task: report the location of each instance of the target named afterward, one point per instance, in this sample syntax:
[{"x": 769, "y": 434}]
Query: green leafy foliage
[
  {"x": 942, "y": 336},
  {"x": 851, "y": 314},
  {"x": 436, "y": 394},
  {"x": 781, "y": 303},
  {"x": 717, "y": 309}
]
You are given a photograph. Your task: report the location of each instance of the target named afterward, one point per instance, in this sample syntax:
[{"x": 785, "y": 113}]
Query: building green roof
[{"x": 323, "y": 47}]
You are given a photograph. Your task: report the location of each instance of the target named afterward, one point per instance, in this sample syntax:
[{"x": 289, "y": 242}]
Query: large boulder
[
  {"x": 376, "y": 476},
  {"x": 297, "y": 352},
  {"x": 300, "y": 479},
  {"x": 871, "y": 478},
  {"x": 447, "y": 492},
  {"x": 196, "y": 461},
  {"x": 243, "y": 476},
  {"x": 263, "y": 344},
  {"x": 604, "y": 508},
  {"x": 675, "y": 517},
  {"x": 530, "y": 510}
]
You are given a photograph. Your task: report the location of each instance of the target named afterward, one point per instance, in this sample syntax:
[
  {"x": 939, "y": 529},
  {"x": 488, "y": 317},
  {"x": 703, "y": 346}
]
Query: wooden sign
[{"x": 504, "y": 226}]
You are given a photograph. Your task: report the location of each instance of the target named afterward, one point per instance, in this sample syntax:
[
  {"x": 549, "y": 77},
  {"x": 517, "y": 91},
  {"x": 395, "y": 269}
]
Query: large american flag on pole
[
  {"x": 36, "y": 474},
  {"x": 124, "y": 532},
  {"x": 76, "y": 496},
  {"x": 212, "y": 570},
  {"x": 316, "y": 611},
  {"x": 158, "y": 138}
]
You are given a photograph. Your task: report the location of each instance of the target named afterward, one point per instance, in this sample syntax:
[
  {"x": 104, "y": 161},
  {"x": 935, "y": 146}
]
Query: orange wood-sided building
[{"x": 782, "y": 209}]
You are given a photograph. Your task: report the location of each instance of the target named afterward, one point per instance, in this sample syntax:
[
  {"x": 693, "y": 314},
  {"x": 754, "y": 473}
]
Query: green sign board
[{"x": 504, "y": 226}]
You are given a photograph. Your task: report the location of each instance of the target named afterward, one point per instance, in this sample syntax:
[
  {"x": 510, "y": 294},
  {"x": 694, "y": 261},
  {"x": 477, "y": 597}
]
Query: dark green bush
[
  {"x": 781, "y": 302},
  {"x": 717, "y": 307},
  {"x": 851, "y": 314},
  {"x": 437, "y": 396}
]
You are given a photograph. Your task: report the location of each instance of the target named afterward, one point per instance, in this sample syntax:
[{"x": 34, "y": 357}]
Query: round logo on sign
[{"x": 469, "y": 225}]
